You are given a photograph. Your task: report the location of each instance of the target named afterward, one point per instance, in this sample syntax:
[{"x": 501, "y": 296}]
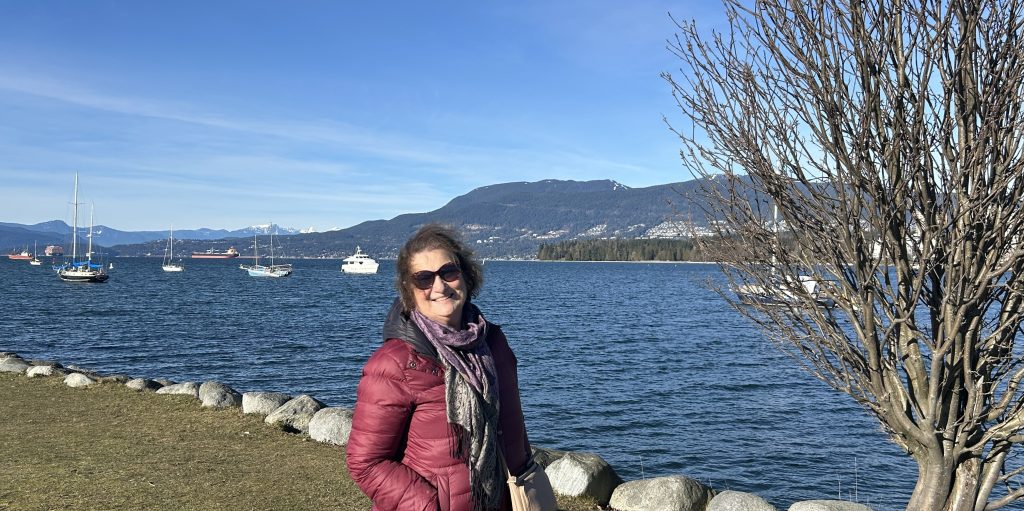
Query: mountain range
[{"x": 509, "y": 220}]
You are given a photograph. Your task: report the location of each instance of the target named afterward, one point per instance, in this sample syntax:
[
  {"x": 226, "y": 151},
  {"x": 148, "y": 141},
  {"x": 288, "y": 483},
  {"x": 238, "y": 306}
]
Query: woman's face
[{"x": 443, "y": 301}]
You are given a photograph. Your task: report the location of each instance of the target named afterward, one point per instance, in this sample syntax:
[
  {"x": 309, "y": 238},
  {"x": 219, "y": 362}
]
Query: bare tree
[{"x": 889, "y": 136}]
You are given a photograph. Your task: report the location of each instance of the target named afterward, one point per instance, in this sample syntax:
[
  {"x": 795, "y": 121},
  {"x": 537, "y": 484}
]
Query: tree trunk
[
  {"x": 934, "y": 485},
  {"x": 965, "y": 486}
]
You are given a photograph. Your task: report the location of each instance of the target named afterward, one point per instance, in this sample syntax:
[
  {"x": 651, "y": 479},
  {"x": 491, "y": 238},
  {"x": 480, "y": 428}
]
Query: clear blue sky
[{"x": 324, "y": 113}]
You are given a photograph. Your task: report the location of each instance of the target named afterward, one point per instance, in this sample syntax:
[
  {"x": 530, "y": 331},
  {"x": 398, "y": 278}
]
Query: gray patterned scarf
[{"x": 471, "y": 399}]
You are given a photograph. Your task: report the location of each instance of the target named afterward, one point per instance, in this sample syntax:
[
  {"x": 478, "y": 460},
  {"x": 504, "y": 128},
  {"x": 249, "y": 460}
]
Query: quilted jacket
[{"x": 400, "y": 448}]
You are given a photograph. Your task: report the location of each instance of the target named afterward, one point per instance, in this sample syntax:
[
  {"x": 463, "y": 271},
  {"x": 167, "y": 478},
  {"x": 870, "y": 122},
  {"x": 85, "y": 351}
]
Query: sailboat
[
  {"x": 81, "y": 271},
  {"x": 780, "y": 292},
  {"x": 168, "y": 264},
  {"x": 35, "y": 257},
  {"x": 258, "y": 270}
]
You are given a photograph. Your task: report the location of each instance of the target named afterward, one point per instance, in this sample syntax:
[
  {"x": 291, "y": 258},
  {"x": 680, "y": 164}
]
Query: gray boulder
[
  {"x": 730, "y": 500},
  {"x": 77, "y": 380},
  {"x": 581, "y": 474},
  {"x": 827, "y": 505},
  {"x": 53, "y": 363},
  {"x": 263, "y": 403},
  {"x": 13, "y": 364},
  {"x": 331, "y": 425},
  {"x": 120, "y": 379},
  {"x": 188, "y": 388},
  {"x": 672, "y": 493},
  {"x": 218, "y": 395},
  {"x": 295, "y": 414},
  {"x": 143, "y": 385},
  {"x": 37, "y": 371}
]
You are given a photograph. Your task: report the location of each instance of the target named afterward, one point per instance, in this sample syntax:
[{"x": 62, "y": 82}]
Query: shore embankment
[{"x": 76, "y": 439}]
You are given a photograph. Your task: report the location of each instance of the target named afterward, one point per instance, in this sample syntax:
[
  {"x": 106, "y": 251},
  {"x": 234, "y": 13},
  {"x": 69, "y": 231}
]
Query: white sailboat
[
  {"x": 35, "y": 258},
  {"x": 169, "y": 264},
  {"x": 81, "y": 271},
  {"x": 258, "y": 270}
]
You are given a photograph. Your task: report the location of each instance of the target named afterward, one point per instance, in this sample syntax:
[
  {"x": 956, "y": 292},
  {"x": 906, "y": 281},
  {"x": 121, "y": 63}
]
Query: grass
[{"x": 108, "y": 447}]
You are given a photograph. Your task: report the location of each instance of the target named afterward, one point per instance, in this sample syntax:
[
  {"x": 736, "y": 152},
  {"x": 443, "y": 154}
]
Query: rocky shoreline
[{"x": 572, "y": 474}]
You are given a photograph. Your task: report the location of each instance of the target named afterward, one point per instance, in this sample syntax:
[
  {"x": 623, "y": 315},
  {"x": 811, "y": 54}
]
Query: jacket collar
[{"x": 399, "y": 326}]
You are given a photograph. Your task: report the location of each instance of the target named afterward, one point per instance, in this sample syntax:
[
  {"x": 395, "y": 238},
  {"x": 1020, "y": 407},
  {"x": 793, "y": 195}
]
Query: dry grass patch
[{"x": 108, "y": 447}]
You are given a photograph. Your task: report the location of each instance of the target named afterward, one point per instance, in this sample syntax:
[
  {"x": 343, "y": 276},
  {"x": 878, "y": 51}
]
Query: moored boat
[
  {"x": 81, "y": 271},
  {"x": 359, "y": 263},
  {"x": 258, "y": 270},
  {"x": 230, "y": 253},
  {"x": 169, "y": 264},
  {"x": 24, "y": 255}
]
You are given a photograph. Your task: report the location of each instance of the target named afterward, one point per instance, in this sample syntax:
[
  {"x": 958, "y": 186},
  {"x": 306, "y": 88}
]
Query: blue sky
[{"x": 324, "y": 114}]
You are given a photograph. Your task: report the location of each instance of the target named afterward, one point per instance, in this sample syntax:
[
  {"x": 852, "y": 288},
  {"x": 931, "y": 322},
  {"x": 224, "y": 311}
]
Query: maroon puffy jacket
[{"x": 400, "y": 448}]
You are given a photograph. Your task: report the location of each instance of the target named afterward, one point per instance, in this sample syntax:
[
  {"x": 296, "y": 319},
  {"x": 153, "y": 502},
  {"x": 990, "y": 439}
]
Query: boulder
[
  {"x": 295, "y": 414},
  {"x": 164, "y": 382},
  {"x": 263, "y": 403},
  {"x": 730, "y": 500},
  {"x": 827, "y": 505},
  {"x": 13, "y": 364},
  {"x": 189, "y": 388},
  {"x": 331, "y": 425},
  {"x": 143, "y": 385},
  {"x": 672, "y": 493},
  {"x": 581, "y": 474},
  {"x": 113, "y": 378},
  {"x": 218, "y": 395},
  {"x": 36, "y": 371},
  {"x": 545, "y": 457},
  {"x": 78, "y": 380},
  {"x": 53, "y": 363}
]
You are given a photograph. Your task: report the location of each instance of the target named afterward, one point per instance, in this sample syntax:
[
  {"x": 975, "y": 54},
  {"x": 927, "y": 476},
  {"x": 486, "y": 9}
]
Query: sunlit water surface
[{"x": 640, "y": 363}]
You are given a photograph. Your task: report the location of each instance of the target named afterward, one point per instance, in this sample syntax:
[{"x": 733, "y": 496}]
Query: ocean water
[{"x": 642, "y": 364}]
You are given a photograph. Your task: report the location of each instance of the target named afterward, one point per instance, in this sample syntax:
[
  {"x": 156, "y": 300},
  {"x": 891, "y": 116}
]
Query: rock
[
  {"x": 53, "y": 363},
  {"x": 164, "y": 382},
  {"x": 13, "y": 364},
  {"x": 36, "y": 371},
  {"x": 827, "y": 505},
  {"x": 263, "y": 403},
  {"x": 672, "y": 493},
  {"x": 331, "y": 425},
  {"x": 545, "y": 456},
  {"x": 113, "y": 378},
  {"x": 143, "y": 385},
  {"x": 730, "y": 500},
  {"x": 295, "y": 414},
  {"x": 78, "y": 380},
  {"x": 581, "y": 474},
  {"x": 218, "y": 395},
  {"x": 189, "y": 388}
]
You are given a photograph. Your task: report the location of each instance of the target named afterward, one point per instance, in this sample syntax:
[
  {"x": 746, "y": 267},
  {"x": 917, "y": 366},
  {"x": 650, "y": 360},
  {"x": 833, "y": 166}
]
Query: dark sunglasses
[{"x": 425, "y": 279}]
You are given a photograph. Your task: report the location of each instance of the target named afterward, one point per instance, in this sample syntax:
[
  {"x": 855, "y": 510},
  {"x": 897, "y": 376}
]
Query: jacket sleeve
[{"x": 379, "y": 427}]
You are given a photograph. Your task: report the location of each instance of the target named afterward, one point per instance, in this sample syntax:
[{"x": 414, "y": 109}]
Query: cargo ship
[
  {"x": 24, "y": 255},
  {"x": 213, "y": 254}
]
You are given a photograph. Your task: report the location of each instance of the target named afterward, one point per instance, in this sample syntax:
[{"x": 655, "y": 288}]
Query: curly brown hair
[{"x": 432, "y": 237}]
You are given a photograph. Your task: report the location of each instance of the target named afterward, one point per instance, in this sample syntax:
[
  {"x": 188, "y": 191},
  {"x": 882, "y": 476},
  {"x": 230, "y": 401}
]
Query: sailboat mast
[
  {"x": 74, "y": 230},
  {"x": 255, "y": 251},
  {"x": 171, "y": 241},
  {"x": 92, "y": 207}
]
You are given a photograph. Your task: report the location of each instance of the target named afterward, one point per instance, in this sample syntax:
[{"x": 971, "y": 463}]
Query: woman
[{"x": 437, "y": 415}]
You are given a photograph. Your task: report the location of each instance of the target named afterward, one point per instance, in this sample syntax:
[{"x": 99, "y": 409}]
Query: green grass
[{"x": 107, "y": 447}]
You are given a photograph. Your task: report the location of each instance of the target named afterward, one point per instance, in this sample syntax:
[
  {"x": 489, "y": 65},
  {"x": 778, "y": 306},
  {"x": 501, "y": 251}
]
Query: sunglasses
[{"x": 425, "y": 279}]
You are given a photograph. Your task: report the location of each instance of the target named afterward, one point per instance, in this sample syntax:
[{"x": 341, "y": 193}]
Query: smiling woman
[{"x": 438, "y": 421}]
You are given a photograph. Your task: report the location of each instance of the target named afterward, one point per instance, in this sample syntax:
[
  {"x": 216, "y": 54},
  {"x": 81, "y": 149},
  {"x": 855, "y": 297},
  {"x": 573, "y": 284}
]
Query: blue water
[{"x": 640, "y": 363}]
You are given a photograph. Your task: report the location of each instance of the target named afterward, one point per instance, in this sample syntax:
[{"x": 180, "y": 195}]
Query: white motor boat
[{"x": 359, "y": 263}]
